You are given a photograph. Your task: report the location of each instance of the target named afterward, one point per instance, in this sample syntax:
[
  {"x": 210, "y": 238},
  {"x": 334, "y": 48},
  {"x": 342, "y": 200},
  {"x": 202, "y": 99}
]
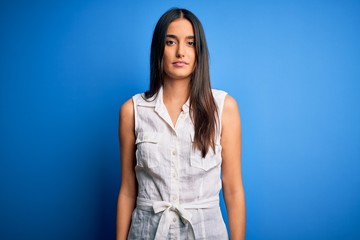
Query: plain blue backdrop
[{"x": 67, "y": 66}]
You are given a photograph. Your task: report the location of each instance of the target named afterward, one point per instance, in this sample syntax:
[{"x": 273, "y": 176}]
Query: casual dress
[{"x": 178, "y": 190}]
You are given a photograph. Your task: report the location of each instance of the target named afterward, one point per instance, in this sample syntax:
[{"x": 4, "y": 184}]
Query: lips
[{"x": 180, "y": 63}]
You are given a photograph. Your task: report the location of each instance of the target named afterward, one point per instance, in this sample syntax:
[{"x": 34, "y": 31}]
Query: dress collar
[{"x": 159, "y": 102}]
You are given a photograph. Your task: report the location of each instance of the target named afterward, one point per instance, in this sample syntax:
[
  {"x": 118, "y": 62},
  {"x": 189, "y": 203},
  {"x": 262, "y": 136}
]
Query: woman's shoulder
[
  {"x": 228, "y": 99},
  {"x": 230, "y": 103},
  {"x": 127, "y": 108},
  {"x": 226, "y": 102},
  {"x": 219, "y": 97}
]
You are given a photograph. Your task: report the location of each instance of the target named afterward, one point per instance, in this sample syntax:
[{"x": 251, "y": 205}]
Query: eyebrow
[{"x": 174, "y": 36}]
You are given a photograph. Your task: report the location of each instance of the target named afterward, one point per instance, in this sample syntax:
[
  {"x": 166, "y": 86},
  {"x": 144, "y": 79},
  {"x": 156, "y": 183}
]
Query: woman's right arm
[{"x": 128, "y": 188}]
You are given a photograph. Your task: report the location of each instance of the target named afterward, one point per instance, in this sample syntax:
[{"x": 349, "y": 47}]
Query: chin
[{"x": 179, "y": 76}]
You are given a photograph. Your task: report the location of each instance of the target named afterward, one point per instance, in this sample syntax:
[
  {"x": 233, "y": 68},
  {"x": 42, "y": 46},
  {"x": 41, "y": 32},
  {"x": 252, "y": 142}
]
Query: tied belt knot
[{"x": 180, "y": 209}]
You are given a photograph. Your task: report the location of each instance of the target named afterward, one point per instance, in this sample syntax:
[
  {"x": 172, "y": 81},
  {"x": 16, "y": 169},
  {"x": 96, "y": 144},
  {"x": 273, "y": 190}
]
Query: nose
[{"x": 180, "y": 53}]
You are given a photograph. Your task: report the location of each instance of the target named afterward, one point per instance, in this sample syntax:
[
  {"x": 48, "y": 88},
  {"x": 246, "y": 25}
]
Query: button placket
[
  {"x": 174, "y": 193},
  {"x": 174, "y": 172}
]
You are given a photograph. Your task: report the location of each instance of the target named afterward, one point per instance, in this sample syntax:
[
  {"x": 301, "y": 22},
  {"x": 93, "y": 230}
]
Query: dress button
[
  {"x": 174, "y": 198},
  {"x": 174, "y": 219},
  {"x": 174, "y": 153}
]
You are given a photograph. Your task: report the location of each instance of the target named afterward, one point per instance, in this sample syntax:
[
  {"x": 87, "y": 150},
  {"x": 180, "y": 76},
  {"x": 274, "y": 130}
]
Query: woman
[{"x": 175, "y": 141}]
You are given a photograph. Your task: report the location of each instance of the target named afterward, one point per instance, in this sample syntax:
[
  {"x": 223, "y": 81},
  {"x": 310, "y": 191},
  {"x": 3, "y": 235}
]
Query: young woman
[{"x": 176, "y": 139}]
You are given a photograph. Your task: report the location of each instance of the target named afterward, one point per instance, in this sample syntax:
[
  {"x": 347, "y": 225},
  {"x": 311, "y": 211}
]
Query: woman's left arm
[{"x": 231, "y": 168}]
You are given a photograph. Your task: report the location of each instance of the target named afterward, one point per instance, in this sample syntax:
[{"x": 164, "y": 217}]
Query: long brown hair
[{"x": 202, "y": 104}]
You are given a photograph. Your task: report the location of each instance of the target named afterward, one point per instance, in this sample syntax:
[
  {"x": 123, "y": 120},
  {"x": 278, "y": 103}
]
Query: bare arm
[
  {"x": 231, "y": 168},
  {"x": 128, "y": 188}
]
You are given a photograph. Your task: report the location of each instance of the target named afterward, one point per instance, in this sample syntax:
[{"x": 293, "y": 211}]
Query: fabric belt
[{"x": 180, "y": 209}]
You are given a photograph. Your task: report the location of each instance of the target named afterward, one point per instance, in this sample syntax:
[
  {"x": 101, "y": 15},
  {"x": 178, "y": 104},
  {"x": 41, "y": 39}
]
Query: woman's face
[{"x": 179, "y": 53}]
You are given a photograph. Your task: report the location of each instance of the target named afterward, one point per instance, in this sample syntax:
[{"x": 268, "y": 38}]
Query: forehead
[{"x": 181, "y": 27}]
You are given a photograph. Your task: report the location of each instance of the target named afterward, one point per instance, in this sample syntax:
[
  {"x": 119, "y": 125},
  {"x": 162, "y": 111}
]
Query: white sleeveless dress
[{"x": 178, "y": 190}]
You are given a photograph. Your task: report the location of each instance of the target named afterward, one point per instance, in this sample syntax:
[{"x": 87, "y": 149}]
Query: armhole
[
  {"x": 221, "y": 108},
  {"x": 219, "y": 97},
  {"x": 135, "y": 114}
]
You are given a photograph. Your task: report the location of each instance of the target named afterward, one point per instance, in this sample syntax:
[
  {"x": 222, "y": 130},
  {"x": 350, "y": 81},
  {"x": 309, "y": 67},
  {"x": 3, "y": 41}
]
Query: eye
[
  {"x": 191, "y": 43},
  {"x": 170, "y": 42}
]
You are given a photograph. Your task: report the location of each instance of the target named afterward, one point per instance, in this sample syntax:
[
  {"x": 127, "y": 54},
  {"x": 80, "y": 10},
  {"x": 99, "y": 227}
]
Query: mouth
[{"x": 180, "y": 63}]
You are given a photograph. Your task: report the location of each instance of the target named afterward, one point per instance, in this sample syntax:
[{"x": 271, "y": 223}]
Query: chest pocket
[
  {"x": 210, "y": 161},
  {"x": 147, "y": 149}
]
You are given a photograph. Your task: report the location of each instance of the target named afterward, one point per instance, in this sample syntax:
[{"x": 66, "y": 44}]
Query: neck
[{"x": 176, "y": 91}]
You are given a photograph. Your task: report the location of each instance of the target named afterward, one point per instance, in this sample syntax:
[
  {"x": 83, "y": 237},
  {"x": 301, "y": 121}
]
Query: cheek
[
  {"x": 167, "y": 54},
  {"x": 166, "y": 59},
  {"x": 193, "y": 59},
  {"x": 165, "y": 62},
  {"x": 193, "y": 55}
]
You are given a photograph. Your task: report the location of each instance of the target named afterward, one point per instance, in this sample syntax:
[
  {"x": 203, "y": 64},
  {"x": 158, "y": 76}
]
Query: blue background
[{"x": 67, "y": 66}]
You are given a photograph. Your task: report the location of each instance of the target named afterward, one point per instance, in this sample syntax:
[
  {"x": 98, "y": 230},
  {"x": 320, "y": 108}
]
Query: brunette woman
[{"x": 176, "y": 140}]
